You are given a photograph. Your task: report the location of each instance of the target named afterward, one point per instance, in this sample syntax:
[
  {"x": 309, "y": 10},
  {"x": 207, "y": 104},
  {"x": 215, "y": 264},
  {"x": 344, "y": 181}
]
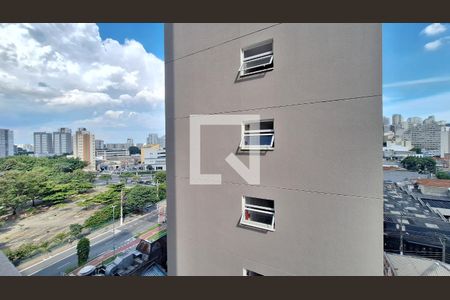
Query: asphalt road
[{"x": 56, "y": 265}]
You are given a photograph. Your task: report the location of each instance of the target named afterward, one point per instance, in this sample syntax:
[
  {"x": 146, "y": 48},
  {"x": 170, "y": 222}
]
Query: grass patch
[
  {"x": 147, "y": 230},
  {"x": 109, "y": 260},
  {"x": 157, "y": 235},
  {"x": 71, "y": 269}
]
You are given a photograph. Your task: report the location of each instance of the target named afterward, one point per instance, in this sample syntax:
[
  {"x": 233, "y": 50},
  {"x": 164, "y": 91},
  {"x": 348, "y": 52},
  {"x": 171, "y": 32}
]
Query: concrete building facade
[
  {"x": 62, "y": 141},
  {"x": 154, "y": 156},
  {"x": 43, "y": 143},
  {"x": 6, "y": 143},
  {"x": 430, "y": 135},
  {"x": 99, "y": 144},
  {"x": 397, "y": 119},
  {"x": 323, "y": 194},
  {"x": 84, "y": 147},
  {"x": 152, "y": 139}
]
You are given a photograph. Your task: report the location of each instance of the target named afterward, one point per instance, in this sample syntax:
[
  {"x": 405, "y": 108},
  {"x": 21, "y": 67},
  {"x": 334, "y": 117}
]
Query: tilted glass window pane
[
  {"x": 268, "y": 47},
  {"x": 255, "y": 140},
  {"x": 259, "y": 217}
]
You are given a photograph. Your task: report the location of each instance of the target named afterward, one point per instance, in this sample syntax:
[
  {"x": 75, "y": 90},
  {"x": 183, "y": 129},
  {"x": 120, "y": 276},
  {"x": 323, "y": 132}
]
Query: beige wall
[{"x": 324, "y": 174}]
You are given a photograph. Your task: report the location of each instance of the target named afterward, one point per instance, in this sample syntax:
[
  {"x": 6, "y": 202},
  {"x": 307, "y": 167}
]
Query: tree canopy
[
  {"x": 139, "y": 196},
  {"x": 419, "y": 164},
  {"x": 134, "y": 150},
  {"x": 160, "y": 176},
  {"x": 83, "y": 248},
  {"x": 25, "y": 179}
]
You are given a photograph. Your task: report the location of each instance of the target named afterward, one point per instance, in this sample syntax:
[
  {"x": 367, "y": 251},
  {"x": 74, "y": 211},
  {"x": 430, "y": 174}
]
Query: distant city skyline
[
  {"x": 108, "y": 78},
  {"x": 406, "y": 117}
]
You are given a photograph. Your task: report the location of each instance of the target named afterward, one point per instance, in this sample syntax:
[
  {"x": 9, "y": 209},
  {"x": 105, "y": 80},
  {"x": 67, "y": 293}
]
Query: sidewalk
[
  {"x": 92, "y": 236},
  {"x": 145, "y": 236}
]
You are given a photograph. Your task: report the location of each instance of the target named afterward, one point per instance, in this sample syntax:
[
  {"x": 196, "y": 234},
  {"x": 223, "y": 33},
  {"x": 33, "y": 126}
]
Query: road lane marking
[
  {"x": 74, "y": 247},
  {"x": 62, "y": 266}
]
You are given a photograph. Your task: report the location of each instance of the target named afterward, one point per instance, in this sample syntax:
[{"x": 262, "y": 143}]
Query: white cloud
[
  {"x": 417, "y": 82},
  {"x": 434, "y": 45},
  {"x": 46, "y": 69},
  {"x": 76, "y": 98},
  {"x": 434, "y": 29},
  {"x": 71, "y": 60}
]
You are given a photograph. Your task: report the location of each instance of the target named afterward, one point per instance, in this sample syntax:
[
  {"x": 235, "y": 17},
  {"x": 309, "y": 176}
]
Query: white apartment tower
[
  {"x": 6, "y": 142},
  {"x": 152, "y": 139},
  {"x": 84, "y": 147},
  {"x": 397, "y": 119},
  {"x": 62, "y": 141},
  {"x": 43, "y": 143}
]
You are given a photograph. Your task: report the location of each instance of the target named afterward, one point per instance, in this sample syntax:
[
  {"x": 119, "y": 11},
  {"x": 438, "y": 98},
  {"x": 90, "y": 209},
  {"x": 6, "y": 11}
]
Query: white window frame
[
  {"x": 259, "y": 132},
  {"x": 245, "y": 271},
  {"x": 242, "y": 69},
  {"x": 259, "y": 209}
]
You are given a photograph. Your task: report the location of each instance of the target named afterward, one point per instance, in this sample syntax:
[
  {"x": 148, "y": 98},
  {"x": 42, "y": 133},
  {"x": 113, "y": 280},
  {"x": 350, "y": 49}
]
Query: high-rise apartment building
[
  {"x": 6, "y": 143},
  {"x": 130, "y": 142},
  {"x": 397, "y": 119},
  {"x": 386, "y": 121},
  {"x": 430, "y": 135},
  {"x": 318, "y": 208},
  {"x": 84, "y": 147},
  {"x": 162, "y": 141},
  {"x": 152, "y": 139},
  {"x": 43, "y": 143},
  {"x": 62, "y": 141},
  {"x": 413, "y": 121},
  {"x": 99, "y": 144},
  {"x": 116, "y": 146}
]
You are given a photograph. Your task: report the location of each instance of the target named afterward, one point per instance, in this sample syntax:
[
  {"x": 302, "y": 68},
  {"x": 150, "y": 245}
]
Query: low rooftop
[
  {"x": 404, "y": 265},
  {"x": 434, "y": 182}
]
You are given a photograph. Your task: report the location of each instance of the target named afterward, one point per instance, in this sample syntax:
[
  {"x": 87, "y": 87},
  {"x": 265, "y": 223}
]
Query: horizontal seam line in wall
[
  {"x": 293, "y": 189},
  {"x": 222, "y": 43},
  {"x": 285, "y": 105},
  {"x": 241, "y": 256}
]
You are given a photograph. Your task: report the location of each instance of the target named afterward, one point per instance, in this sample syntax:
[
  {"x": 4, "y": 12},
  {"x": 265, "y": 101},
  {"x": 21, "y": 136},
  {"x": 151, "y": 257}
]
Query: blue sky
[
  {"x": 416, "y": 70},
  {"x": 150, "y": 35}
]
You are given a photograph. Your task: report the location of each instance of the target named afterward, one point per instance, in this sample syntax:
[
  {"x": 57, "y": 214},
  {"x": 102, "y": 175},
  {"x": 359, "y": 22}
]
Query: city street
[{"x": 56, "y": 265}]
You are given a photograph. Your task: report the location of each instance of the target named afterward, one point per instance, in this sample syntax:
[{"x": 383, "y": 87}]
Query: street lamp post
[
  {"x": 401, "y": 233},
  {"x": 121, "y": 207},
  {"x": 114, "y": 245}
]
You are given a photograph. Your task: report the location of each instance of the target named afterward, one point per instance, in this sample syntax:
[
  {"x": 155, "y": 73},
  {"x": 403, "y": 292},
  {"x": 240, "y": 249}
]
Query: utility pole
[
  {"x": 114, "y": 245},
  {"x": 121, "y": 207},
  {"x": 443, "y": 240},
  {"x": 401, "y": 233},
  {"x": 157, "y": 188}
]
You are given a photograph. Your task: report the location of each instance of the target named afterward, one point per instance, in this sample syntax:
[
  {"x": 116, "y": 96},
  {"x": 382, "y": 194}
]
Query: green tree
[
  {"x": 160, "y": 177},
  {"x": 443, "y": 175},
  {"x": 139, "y": 196},
  {"x": 105, "y": 177},
  {"x": 162, "y": 191},
  {"x": 419, "y": 164},
  {"x": 35, "y": 184},
  {"x": 83, "y": 248},
  {"x": 12, "y": 194},
  {"x": 417, "y": 150},
  {"x": 75, "y": 230},
  {"x": 136, "y": 178},
  {"x": 125, "y": 175},
  {"x": 134, "y": 150}
]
